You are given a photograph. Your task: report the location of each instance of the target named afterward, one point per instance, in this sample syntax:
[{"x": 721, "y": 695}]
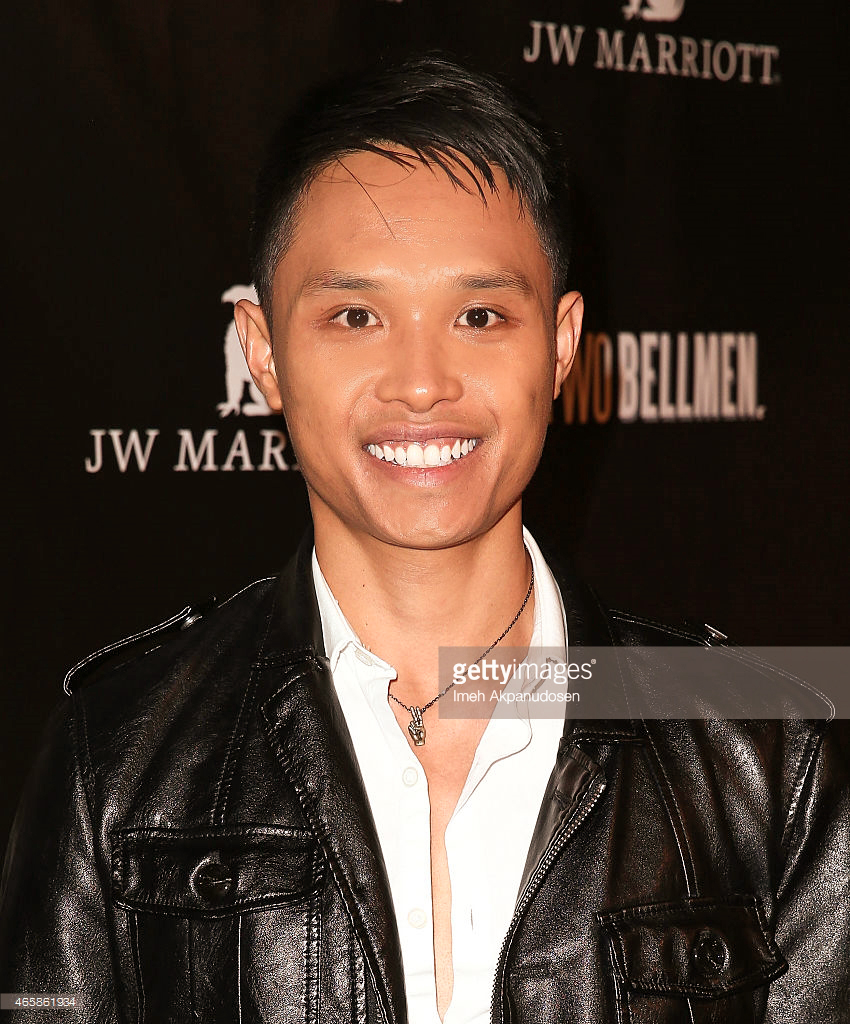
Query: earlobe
[
  {"x": 255, "y": 338},
  {"x": 567, "y": 334}
]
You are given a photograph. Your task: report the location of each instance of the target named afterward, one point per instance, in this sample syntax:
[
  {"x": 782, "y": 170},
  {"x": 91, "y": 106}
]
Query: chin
[{"x": 436, "y": 532}]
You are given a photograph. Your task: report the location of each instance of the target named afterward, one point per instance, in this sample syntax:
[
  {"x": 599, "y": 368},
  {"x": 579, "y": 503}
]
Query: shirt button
[
  {"x": 417, "y": 918},
  {"x": 362, "y": 656},
  {"x": 410, "y": 776}
]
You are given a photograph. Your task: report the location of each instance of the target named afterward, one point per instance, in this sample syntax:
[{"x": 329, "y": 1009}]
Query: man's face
[{"x": 415, "y": 353}]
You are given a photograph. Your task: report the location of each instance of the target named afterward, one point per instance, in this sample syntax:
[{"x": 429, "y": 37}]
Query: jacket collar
[{"x": 294, "y": 629}]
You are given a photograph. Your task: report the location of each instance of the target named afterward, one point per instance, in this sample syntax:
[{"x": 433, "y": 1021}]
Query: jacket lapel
[
  {"x": 307, "y": 731},
  {"x": 577, "y": 781}
]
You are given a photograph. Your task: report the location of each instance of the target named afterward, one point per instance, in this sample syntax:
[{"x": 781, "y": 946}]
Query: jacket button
[
  {"x": 709, "y": 953},
  {"x": 213, "y": 882}
]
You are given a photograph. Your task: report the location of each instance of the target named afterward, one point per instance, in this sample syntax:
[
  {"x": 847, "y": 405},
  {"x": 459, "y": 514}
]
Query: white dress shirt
[{"x": 488, "y": 835}]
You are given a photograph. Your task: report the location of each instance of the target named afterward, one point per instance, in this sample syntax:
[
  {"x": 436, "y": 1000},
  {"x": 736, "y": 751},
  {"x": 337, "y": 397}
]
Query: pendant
[{"x": 416, "y": 728}]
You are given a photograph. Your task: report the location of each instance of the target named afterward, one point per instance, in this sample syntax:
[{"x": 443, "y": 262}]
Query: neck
[{"x": 406, "y": 603}]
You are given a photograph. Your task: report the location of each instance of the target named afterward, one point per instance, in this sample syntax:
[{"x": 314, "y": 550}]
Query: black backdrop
[{"x": 699, "y": 464}]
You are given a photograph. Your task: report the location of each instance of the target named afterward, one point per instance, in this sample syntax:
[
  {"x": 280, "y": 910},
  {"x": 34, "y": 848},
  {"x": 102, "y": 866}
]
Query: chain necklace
[{"x": 415, "y": 726}]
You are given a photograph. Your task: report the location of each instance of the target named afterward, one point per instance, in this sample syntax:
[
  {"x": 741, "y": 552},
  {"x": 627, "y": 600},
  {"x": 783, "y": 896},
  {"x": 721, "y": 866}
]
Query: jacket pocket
[
  {"x": 716, "y": 953},
  {"x": 222, "y": 922}
]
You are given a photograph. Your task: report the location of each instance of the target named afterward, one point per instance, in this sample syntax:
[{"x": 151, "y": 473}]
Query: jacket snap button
[
  {"x": 213, "y": 882},
  {"x": 710, "y": 953}
]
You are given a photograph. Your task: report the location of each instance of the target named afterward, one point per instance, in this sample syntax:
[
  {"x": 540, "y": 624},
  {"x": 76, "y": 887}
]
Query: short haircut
[{"x": 437, "y": 110}]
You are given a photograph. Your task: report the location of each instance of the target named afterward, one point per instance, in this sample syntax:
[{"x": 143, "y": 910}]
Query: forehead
[{"x": 365, "y": 206}]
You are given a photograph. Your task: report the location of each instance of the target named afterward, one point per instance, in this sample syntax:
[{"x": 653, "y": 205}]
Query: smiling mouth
[{"x": 438, "y": 452}]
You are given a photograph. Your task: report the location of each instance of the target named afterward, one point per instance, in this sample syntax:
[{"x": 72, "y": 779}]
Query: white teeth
[
  {"x": 432, "y": 455},
  {"x": 418, "y": 455}
]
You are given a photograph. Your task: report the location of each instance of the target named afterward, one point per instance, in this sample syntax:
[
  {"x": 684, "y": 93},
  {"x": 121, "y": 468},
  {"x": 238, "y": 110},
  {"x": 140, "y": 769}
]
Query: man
[{"x": 265, "y": 812}]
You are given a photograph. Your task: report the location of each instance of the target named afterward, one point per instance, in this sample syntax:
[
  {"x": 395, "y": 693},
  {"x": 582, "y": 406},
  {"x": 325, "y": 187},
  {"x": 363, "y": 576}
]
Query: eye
[
  {"x": 355, "y": 317},
  {"x": 479, "y": 317}
]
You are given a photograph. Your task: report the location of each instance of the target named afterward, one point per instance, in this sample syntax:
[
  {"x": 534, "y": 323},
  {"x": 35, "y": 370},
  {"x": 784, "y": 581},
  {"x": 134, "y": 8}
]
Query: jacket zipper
[{"x": 555, "y": 848}]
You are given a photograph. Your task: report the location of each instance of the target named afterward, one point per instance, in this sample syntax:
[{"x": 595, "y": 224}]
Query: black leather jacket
[{"x": 196, "y": 845}]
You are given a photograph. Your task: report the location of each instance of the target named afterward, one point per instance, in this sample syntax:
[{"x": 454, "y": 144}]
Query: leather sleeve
[
  {"x": 813, "y": 900},
  {"x": 53, "y": 927}
]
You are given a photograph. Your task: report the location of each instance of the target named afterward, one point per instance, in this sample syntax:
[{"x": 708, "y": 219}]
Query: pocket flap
[
  {"x": 701, "y": 947},
  {"x": 213, "y": 871}
]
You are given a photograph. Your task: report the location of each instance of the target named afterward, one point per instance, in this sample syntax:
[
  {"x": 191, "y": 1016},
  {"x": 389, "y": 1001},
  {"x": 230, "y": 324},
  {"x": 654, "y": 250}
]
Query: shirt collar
[{"x": 549, "y": 628}]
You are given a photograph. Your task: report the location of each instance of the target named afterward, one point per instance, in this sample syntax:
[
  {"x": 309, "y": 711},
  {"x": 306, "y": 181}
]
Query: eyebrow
[
  {"x": 490, "y": 282},
  {"x": 336, "y": 280}
]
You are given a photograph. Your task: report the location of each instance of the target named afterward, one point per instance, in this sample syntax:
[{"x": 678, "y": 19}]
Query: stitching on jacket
[
  {"x": 245, "y": 589},
  {"x": 582, "y": 733},
  {"x": 167, "y": 836},
  {"x": 237, "y": 737},
  {"x": 312, "y": 1015},
  {"x": 137, "y": 961},
  {"x": 662, "y": 627},
  {"x": 765, "y": 668},
  {"x": 268, "y": 901},
  {"x": 813, "y": 743},
  {"x": 83, "y": 758},
  {"x": 357, "y": 973},
  {"x": 769, "y": 940},
  {"x": 291, "y": 656},
  {"x": 695, "y": 904},
  {"x": 305, "y": 953},
  {"x": 239, "y": 969},
  {"x": 228, "y": 770},
  {"x": 190, "y": 957},
  {"x": 125, "y": 642},
  {"x": 621, "y": 999},
  {"x": 681, "y": 841}
]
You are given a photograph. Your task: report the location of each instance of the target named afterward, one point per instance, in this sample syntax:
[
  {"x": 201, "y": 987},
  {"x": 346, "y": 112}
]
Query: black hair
[{"x": 435, "y": 109}]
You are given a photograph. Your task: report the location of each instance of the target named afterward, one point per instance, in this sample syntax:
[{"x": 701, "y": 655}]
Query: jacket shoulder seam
[{"x": 156, "y": 635}]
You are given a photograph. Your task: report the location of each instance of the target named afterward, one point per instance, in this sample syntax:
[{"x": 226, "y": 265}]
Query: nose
[{"x": 421, "y": 369}]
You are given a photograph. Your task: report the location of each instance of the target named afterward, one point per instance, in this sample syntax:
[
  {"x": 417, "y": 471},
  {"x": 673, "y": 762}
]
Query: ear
[
  {"x": 567, "y": 333},
  {"x": 256, "y": 341}
]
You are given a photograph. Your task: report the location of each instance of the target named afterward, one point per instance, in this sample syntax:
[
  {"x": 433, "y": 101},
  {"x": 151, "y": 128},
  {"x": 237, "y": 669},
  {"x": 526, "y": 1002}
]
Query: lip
[{"x": 401, "y": 433}]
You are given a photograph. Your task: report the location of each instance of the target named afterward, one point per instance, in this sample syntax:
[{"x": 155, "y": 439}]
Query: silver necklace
[{"x": 415, "y": 726}]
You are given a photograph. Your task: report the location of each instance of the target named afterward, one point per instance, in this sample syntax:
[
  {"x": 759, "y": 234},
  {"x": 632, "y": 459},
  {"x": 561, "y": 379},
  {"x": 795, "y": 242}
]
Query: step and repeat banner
[{"x": 697, "y": 464}]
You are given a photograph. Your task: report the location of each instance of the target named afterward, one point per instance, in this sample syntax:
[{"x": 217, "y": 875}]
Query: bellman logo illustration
[
  {"x": 654, "y": 10},
  {"x": 236, "y": 374}
]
